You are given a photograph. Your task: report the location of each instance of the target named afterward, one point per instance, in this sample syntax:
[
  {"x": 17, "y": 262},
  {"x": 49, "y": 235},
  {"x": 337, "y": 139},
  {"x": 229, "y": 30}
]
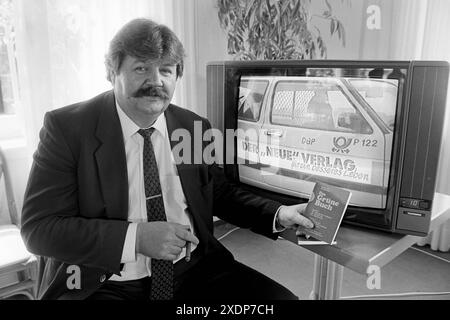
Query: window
[
  {"x": 251, "y": 96},
  {"x": 289, "y": 105},
  {"x": 316, "y": 105},
  {"x": 381, "y": 95},
  {"x": 7, "y": 59},
  {"x": 10, "y": 126}
]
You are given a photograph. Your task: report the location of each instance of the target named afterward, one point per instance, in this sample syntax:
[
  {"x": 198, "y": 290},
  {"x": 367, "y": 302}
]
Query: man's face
[{"x": 144, "y": 89}]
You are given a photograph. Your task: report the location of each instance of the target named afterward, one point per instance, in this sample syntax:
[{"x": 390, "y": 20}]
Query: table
[{"x": 359, "y": 248}]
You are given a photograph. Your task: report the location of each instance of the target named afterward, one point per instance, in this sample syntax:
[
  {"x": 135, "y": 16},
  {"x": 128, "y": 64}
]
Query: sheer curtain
[{"x": 61, "y": 46}]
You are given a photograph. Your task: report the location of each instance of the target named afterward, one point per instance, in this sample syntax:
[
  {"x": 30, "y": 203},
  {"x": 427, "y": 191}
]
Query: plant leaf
[
  {"x": 250, "y": 7},
  {"x": 285, "y": 6},
  {"x": 343, "y": 35},
  {"x": 330, "y": 9}
]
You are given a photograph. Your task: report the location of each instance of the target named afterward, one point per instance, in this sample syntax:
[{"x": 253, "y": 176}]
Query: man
[
  {"x": 321, "y": 108},
  {"x": 109, "y": 211}
]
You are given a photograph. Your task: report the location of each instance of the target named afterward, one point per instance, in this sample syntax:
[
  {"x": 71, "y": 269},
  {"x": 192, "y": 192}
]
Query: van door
[
  {"x": 252, "y": 92},
  {"x": 323, "y": 134}
]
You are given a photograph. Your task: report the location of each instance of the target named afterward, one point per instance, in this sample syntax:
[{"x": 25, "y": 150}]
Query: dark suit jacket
[{"x": 76, "y": 203}]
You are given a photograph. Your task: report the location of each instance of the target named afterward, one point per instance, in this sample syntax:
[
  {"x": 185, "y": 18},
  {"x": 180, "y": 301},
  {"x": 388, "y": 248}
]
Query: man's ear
[{"x": 112, "y": 76}]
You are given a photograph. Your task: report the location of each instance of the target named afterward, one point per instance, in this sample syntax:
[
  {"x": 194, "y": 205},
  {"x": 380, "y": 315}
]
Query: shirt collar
[{"x": 129, "y": 128}]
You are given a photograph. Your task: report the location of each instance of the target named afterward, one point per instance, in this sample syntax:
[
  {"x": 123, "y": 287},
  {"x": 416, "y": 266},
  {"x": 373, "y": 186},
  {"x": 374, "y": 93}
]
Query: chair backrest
[{"x": 11, "y": 204}]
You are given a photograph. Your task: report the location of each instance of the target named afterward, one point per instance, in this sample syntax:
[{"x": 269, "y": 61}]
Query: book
[{"x": 326, "y": 208}]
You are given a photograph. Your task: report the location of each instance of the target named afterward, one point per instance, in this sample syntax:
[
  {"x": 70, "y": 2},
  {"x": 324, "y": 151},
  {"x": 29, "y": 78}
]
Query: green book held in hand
[{"x": 326, "y": 208}]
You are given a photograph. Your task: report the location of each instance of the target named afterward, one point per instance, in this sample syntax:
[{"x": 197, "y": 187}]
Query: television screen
[{"x": 295, "y": 131}]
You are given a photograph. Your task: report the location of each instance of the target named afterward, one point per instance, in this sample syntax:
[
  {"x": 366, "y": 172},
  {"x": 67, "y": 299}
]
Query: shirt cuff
[
  {"x": 276, "y": 227},
  {"x": 129, "y": 247}
]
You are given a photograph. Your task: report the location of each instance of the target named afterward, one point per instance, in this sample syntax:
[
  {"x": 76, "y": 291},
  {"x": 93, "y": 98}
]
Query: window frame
[{"x": 267, "y": 83}]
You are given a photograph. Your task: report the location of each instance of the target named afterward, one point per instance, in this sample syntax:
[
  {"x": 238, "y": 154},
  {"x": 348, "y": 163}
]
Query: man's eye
[
  {"x": 166, "y": 71},
  {"x": 140, "y": 70}
]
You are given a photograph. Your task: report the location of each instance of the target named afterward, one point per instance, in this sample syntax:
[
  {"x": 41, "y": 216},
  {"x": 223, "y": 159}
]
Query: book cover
[{"x": 326, "y": 208}]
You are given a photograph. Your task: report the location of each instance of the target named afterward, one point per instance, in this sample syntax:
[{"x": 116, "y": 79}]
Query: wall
[{"x": 211, "y": 45}]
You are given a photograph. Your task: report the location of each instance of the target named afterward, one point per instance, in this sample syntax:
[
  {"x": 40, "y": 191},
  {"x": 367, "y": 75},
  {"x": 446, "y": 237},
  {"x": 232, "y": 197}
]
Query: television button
[
  {"x": 424, "y": 205},
  {"x": 415, "y": 214}
]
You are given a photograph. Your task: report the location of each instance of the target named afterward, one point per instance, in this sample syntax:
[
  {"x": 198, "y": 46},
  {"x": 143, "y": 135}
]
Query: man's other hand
[
  {"x": 291, "y": 217},
  {"x": 162, "y": 240}
]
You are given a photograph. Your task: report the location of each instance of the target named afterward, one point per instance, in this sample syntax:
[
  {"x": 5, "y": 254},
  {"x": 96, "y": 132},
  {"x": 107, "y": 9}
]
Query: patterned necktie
[{"x": 162, "y": 270}]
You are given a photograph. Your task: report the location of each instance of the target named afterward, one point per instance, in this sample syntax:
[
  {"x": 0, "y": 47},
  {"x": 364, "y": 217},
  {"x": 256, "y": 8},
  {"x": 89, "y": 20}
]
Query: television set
[{"x": 371, "y": 127}]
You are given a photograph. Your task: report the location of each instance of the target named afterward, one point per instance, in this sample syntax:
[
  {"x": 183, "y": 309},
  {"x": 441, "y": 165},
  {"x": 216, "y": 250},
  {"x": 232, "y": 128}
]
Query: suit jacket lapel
[
  {"x": 187, "y": 172},
  {"x": 189, "y": 175},
  {"x": 111, "y": 161}
]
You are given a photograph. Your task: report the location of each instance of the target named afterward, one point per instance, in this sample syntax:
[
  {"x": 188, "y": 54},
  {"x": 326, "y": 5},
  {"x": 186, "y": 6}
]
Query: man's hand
[
  {"x": 162, "y": 240},
  {"x": 291, "y": 217}
]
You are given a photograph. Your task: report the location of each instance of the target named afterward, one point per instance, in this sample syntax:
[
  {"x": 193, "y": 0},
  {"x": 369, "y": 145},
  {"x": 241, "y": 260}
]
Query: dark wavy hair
[{"x": 144, "y": 39}]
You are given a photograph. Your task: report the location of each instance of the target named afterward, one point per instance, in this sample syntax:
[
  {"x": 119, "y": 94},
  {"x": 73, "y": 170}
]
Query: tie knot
[{"x": 146, "y": 133}]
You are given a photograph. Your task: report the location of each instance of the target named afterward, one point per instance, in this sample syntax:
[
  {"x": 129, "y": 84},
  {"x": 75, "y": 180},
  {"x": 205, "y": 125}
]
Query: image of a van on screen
[{"x": 295, "y": 131}]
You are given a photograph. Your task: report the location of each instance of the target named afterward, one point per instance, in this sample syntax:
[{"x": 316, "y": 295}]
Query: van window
[
  {"x": 315, "y": 105},
  {"x": 251, "y": 95},
  {"x": 381, "y": 95}
]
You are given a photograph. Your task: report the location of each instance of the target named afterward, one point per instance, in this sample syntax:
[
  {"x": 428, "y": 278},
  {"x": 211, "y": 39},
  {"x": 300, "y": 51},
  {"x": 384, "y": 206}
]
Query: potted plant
[{"x": 276, "y": 29}]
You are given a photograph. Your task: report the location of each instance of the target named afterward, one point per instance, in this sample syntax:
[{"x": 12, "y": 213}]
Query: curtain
[
  {"x": 184, "y": 25},
  {"x": 61, "y": 46}
]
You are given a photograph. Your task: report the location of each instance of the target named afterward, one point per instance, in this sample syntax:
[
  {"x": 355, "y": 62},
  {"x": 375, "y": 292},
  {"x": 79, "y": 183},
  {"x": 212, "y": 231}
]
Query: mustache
[{"x": 151, "y": 92}]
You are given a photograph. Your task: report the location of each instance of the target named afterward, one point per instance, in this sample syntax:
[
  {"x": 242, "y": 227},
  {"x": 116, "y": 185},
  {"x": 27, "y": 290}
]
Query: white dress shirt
[{"x": 136, "y": 265}]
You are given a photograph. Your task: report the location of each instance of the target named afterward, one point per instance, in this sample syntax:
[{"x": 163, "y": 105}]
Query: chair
[{"x": 16, "y": 263}]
